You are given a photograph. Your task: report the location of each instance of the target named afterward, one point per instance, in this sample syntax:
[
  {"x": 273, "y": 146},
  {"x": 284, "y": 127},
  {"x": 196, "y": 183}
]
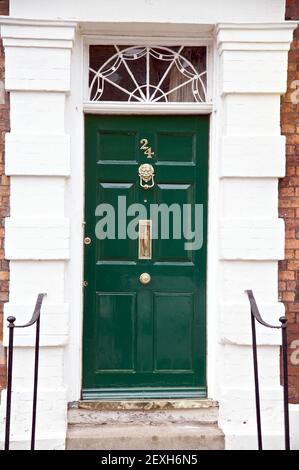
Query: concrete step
[
  {"x": 157, "y": 425},
  {"x": 175, "y": 436}
]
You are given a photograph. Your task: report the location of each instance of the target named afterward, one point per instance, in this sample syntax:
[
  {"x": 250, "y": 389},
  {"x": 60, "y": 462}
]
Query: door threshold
[
  {"x": 137, "y": 393},
  {"x": 145, "y": 405}
]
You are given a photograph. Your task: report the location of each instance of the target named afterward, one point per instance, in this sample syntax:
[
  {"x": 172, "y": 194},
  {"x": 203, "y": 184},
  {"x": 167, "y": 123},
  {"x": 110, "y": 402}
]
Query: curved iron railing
[
  {"x": 11, "y": 325},
  {"x": 256, "y": 316}
]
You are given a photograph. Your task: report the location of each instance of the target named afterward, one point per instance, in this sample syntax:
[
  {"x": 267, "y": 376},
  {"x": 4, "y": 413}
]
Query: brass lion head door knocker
[{"x": 146, "y": 175}]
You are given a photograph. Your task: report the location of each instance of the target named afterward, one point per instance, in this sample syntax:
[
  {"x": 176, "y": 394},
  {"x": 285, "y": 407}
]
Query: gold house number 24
[{"x": 146, "y": 149}]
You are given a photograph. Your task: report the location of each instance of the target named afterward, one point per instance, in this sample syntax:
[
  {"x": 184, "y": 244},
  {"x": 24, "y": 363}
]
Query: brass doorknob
[{"x": 145, "y": 278}]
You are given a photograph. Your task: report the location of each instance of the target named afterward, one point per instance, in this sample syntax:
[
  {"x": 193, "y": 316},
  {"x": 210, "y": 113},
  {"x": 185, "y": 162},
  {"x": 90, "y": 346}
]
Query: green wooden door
[{"x": 144, "y": 340}]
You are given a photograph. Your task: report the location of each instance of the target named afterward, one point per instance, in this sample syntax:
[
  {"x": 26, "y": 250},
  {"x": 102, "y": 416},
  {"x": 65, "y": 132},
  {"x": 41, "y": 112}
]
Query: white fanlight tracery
[{"x": 164, "y": 74}]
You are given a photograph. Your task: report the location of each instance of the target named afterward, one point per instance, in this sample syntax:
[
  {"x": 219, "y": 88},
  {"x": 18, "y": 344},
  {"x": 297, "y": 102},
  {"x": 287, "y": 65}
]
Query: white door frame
[{"x": 79, "y": 89}]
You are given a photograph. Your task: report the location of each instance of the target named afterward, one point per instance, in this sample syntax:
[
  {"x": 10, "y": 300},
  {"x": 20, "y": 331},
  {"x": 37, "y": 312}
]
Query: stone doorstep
[
  {"x": 153, "y": 412},
  {"x": 144, "y": 425},
  {"x": 145, "y": 437},
  {"x": 144, "y": 405},
  {"x": 94, "y": 418}
]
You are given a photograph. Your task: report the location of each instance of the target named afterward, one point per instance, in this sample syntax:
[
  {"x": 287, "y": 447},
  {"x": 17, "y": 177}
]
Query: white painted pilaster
[
  {"x": 253, "y": 72},
  {"x": 37, "y": 75}
]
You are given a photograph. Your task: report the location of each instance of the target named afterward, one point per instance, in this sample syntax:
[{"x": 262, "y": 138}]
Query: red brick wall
[
  {"x": 4, "y": 198},
  {"x": 289, "y": 205}
]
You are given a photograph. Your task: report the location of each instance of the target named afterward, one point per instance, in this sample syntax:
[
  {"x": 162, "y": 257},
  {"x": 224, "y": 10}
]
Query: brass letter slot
[{"x": 145, "y": 239}]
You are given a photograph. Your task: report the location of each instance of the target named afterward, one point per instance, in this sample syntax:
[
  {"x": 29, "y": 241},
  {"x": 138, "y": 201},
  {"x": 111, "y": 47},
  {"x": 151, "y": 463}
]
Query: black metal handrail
[
  {"x": 11, "y": 325},
  {"x": 256, "y": 316}
]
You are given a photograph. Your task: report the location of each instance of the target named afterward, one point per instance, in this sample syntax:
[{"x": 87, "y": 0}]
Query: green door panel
[
  {"x": 116, "y": 315},
  {"x": 144, "y": 340},
  {"x": 175, "y": 331}
]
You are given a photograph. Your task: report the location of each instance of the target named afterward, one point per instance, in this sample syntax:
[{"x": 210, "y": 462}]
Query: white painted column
[
  {"x": 37, "y": 74},
  {"x": 253, "y": 75}
]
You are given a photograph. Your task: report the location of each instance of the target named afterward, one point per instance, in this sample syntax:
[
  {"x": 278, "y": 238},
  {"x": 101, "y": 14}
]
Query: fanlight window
[{"x": 147, "y": 74}]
